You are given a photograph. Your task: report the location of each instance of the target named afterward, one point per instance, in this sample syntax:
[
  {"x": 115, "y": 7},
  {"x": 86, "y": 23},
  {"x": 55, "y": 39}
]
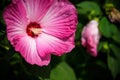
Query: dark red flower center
[{"x": 33, "y": 29}]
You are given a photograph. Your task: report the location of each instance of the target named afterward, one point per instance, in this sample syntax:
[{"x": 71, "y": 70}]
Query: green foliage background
[{"x": 76, "y": 65}]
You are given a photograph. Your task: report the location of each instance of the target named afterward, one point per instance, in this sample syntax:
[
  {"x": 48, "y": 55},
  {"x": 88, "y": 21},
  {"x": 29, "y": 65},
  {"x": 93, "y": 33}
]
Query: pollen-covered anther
[
  {"x": 36, "y": 31},
  {"x": 33, "y": 29}
]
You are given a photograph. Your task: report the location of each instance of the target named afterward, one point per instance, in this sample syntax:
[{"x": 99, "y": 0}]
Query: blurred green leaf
[
  {"x": 107, "y": 28},
  {"x": 114, "y": 60},
  {"x": 62, "y": 72},
  {"x": 88, "y": 6},
  {"x": 100, "y": 46},
  {"x": 16, "y": 58},
  {"x": 101, "y": 64},
  {"x": 116, "y": 3},
  {"x": 116, "y": 37},
  {"x": 103, "y": 46},
  {"x": 78, "y": 31},
  {"x": 40, "y": 72}
]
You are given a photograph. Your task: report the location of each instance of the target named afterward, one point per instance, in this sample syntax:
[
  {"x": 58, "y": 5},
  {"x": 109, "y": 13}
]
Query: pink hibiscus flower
[
  {"x": 39, "y": 28},
  {"x": 90, "y": 37}
]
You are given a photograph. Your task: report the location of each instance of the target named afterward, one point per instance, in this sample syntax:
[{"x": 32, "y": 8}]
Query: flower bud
[
  {"x": 114, "y": 16},
  {"x": 90, "y": 37}
]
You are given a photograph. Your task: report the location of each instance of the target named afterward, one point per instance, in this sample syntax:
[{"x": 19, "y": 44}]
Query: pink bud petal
[{"x": 90, "y": 37}]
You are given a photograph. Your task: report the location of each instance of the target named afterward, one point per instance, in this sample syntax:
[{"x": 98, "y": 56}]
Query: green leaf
[
  {"x": 88, "y": 6},
  {"x": 62, "y": 72},
  {"x": 41, "y": 73},
  {"x": 78, "y": 31},
  {"x": 107, "y": 29},
  {"x": 116, "y": 37},
  {"x": 103, "y": 46},
  {"x": 116, "y": 3},
  {"x": 114, "y": 60},
  {"x": 16, "y": 58}
]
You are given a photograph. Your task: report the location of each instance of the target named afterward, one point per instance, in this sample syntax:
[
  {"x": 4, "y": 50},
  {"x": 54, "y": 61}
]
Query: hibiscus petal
[
  {"x": 60, "y": 20},
  {"x": 15, "y": 18},
  {"x": 70, "y": 42},
  {"x": 36, "y": 9},
  {"x": 14, "y": 1},
  {"x": 47, "y": 44},
  {"x": 27, "y": 48},
  {"x": 15, "y": 15}
]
